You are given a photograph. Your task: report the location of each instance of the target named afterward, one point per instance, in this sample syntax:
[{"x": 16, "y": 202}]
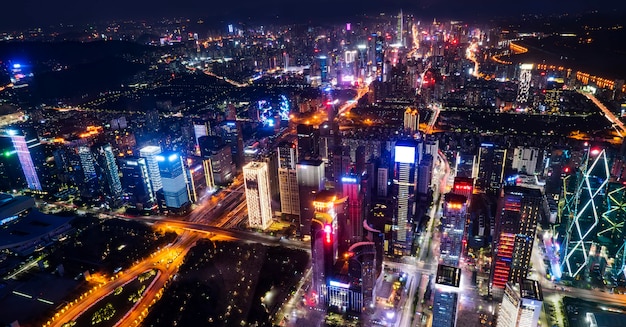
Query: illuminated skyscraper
[
  {"x": 107, "y": 171},
  {"x": 288, "y": 179},
  {"x": 351, "y": 188},
  {"x": 404, "y": 187},
  {"x": 23, "y": 146},
  {"x": 136, "y": 183},
  {"x": 521, "y": 304},
  {"x": 519, "y": 211},
  {"x": 308, "y": 142},
  {"x": 447, "y": 284},
  {"x": 323, "y": 68},
  {"x": 523, "y": 91},
  {"x": 218, "y": 161},
  {"x": 591, "y": 219},
  {"x": 491, "y": 160},
  {"x": 325, "y": 241},
  {"x": 310, "y": 175},
  {"x": 150, "y": 153},
  {"x": 453, "y": 223},
  {"x": 174, "y": 180},
  {"x": 256, "y": 178}
]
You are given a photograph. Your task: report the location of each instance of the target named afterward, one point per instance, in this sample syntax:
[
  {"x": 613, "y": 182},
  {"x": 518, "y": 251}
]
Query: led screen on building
[{"x": 405, "y": 154}]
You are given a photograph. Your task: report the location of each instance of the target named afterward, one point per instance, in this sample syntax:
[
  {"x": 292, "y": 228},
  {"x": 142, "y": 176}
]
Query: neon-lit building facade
[
  {"x": 256, "y": 179},
  {"x": 107, "y": 170},
  {"x": 519, "y": 210},
  {"x": 174, "y": 180},
  {"x": 404, "y": 188},
  {"x": 150, "y": 153},
  {"x": 22, "y": 147},
  {"x": 136, "y": 184},
  {"x": 594, "y": 214},
  {"x": 453, "y": 223}
]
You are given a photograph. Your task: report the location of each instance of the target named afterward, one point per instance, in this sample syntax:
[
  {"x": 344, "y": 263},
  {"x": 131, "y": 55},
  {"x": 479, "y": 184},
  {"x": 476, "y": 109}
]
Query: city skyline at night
[{"x": 401, "y": 164}]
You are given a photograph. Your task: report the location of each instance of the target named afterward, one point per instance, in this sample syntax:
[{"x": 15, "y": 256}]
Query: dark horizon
[{"x": 71, "y": 12}]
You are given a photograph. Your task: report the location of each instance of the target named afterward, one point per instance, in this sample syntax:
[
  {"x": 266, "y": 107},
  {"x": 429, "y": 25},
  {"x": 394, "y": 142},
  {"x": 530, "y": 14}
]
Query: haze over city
[{"x": 398, "y": 163}]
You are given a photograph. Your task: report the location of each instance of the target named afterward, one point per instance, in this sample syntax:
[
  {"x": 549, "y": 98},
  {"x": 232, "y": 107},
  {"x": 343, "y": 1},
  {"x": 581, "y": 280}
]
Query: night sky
[{"x": 31, "y": 13}]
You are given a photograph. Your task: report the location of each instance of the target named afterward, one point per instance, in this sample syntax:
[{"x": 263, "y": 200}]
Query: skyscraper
[
  {"x": 404, "y": 187},
  {"x": 218, "y": 161},
  {"x": 231, "y": 133},
  {"x": 107, "y": 171},
  {"x": 310, "y": 174},
  {"x": 174, "y": 180},
  {"x": 256, "y": 178},
  {"x": 351, "y": 188},
  {"x": 288, "y": 179},
  {"x": 491, "y": 160},
  {"x": 519, "y": 211},
  {"x": 594, "y": 230},
  {"x": 150, "y": 153},
  {"x": 447, "y": 284},
  {"x": 453, "y": 223},
  {"x": 521, "y": 304},
  {"x": 340, "y": 165},
  {"x": 325, "y": 239},
  {"x": 136, "y": 184},
  {"x": 308, "y": 142},
  {"x": 23, "y": 146}
]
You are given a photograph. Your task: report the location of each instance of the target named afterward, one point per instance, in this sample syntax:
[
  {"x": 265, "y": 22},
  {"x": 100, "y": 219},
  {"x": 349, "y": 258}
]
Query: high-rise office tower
[
  {"x": 308, "y": 142},
  {"x": 310, "y": 174},
  {"x": 323, "y": 68},
  {"x": 218, "y": 163},
  {"x": 326, "y": 141},
  {"x": 404, "y": 186},
  {"x": 521, "y": 304},
  {"x": 288, "y": 179},
  {"x": 231, "y": 133},
  {"x": 107, "y": 171},
  {"x": 447, "y": 283},
  {"x": 136, "y": 184},
  {"x": 200, "y": 128},
  {"x": 453, "y": 223},
  {"x": 325, "y": 239},
  {"x": 519, "y": 211},
  {"x": 150, "y": 153},
  {"x": 174, "y": 180},
  {"x": 425, "y": 174},
  {"x": 87, "y": 163},
  {"x": 23, "y": 145},
  {"x": 363, "y": 271},
  {"x": 351, "y": 188},
  {"x": 256, "y": 178},
  {"x": 340, "y": 164},
  {"x": 523, "y": 90},
  {"x": 271, "y": 158},
  {"x": 400, "y": 31},
  {"x": 491, "y": 162},
  {"x": 382, "y": 180},
  {"x": 595, "y": 230}
]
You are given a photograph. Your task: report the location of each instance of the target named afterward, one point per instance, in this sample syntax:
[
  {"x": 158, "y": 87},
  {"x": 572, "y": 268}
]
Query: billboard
[{"x": 405, "y": 154}]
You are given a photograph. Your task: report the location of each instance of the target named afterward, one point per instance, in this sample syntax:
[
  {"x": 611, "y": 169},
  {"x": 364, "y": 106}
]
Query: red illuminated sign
[{"x": 328, "y": 230}]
